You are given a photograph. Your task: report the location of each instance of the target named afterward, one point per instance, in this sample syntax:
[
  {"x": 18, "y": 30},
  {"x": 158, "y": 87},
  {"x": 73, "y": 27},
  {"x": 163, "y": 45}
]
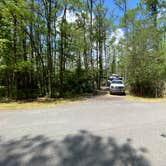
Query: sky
[
  {"x": 119, "y": 33},
  {"x": 111, "y": 6},
  {"x": 131, "y": 3},
  {"x": 71, "y": 17}
]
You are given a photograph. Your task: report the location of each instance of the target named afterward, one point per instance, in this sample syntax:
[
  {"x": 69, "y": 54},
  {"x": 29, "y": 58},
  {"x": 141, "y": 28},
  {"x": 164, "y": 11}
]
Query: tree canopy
[{"x": 56, "y": 48}]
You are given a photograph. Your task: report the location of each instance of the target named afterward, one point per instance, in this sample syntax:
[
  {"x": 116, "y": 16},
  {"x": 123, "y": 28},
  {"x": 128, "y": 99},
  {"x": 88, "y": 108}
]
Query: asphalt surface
[{"x": 100, "y": 131}]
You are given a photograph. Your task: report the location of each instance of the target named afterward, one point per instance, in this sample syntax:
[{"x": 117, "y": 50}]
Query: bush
[
  {"x": 27, "y": 86},
  {"x": 2, "y": 91},
  {"x": 77, "y": 82},
  {"x": 148, "y": 89}
]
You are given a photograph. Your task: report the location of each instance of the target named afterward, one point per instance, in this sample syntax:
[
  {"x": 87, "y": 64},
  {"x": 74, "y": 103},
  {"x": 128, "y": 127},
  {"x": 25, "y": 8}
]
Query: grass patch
[
  {"x": 130, "y": 97},
  {"x": 144, "y": 99},
  {"x": 40, "y": 102},
  {"x": 28, "y": 105}
]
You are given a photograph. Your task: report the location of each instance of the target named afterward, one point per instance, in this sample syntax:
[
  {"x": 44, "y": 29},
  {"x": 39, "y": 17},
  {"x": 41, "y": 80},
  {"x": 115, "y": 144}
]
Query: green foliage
[
  {"x": 145, "y": 58},
  {"x": 77, "y": 82},
  {"x": 42, "y": 52},
  {"x": 24, "y": 66}
]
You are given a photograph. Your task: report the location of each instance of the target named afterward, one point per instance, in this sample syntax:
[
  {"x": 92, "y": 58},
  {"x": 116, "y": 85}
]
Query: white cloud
[
  {"x": 118, "y": 35},
  {"x": 70, "y": 16}
]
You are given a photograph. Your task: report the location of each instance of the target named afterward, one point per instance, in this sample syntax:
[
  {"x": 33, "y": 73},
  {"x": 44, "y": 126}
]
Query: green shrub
[
  {"x": 77, "y": 83},
  {"x": 148, "y": 89}
]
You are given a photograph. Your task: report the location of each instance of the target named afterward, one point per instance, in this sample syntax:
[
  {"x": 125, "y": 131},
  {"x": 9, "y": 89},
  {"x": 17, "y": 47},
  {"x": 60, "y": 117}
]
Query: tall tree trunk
[
  {"x": 85, "y": 49},
  {"x": 91, "y": 43},
  {"x": 15, "y": 52},
  {"x": 62, "y": 52},
  {"x": 24, "y": 45},
  {"x": 49, "y": 52}
]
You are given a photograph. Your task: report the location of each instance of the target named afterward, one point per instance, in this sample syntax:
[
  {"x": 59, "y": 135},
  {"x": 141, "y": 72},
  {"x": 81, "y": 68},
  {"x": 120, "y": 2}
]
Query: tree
[{"x": 145, "y": 61}]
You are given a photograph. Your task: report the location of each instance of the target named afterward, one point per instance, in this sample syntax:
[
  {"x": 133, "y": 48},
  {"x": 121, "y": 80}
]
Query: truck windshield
[{"x": 117, "y": 82}]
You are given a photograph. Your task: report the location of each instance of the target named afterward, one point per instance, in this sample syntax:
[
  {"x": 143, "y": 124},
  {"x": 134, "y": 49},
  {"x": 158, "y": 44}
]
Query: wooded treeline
[
  {"x": 51, "y": 47},
  {"x": 143, "y": 50},
  {"x": 56, "y": 48}
]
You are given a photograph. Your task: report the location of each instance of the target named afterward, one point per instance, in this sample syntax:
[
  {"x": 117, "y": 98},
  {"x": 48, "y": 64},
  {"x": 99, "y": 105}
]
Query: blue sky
[
  {"x": 111, "y": 6},
  {"x": 131, "y": 3}
]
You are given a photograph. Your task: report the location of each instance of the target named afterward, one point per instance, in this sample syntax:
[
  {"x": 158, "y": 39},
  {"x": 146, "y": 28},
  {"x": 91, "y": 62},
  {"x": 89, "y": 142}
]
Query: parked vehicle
[
  {"x": 117, "y": 87},
  {"x": 110, "y": 80},
  {"x": 113, "y": 77}
]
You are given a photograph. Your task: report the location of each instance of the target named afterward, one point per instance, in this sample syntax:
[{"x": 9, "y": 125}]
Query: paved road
[{"x": 101, "y": 131}]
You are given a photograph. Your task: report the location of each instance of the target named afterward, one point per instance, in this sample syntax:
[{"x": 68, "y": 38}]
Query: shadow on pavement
[{"x": 82, "y": 149}]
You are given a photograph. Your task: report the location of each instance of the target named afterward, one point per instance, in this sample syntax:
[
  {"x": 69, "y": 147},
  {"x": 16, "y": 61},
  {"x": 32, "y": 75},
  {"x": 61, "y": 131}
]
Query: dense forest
[{"x": 58, "y": 48}]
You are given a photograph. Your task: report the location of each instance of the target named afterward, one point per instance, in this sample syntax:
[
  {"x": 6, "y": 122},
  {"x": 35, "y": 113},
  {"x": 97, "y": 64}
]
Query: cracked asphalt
[{"x": 137, "y": 128}]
